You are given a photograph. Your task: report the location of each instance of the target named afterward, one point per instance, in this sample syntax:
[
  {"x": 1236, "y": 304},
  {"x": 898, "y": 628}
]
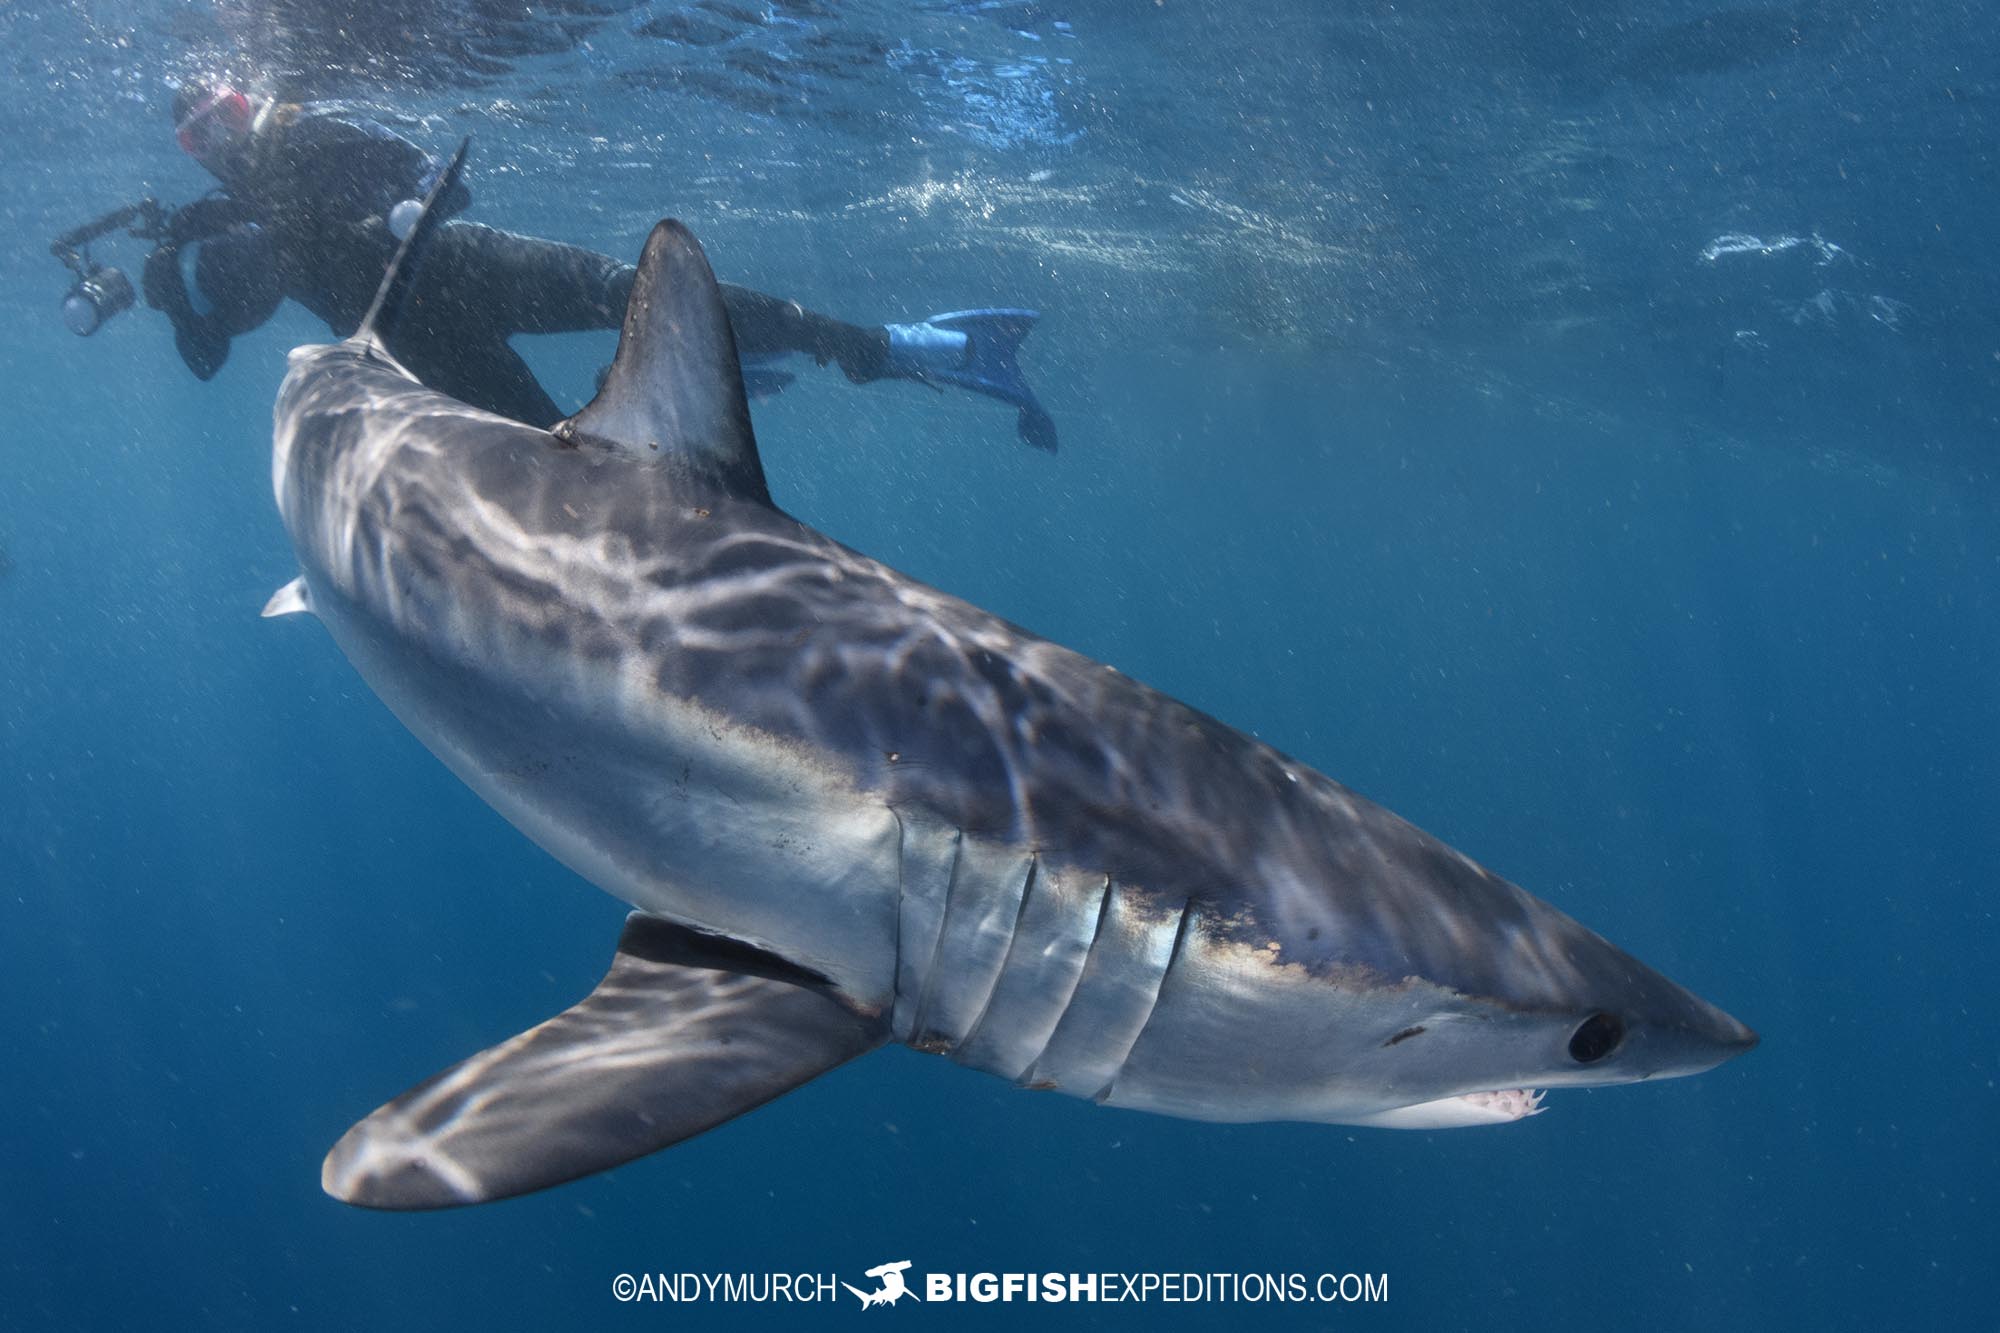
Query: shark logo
[{"x": 893, "y": 1287}]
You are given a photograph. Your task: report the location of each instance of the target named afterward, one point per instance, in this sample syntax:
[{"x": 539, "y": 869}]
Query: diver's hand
[
  {"x": 202, "y": 345},
  {"x": 160, "y": 280},
  {"x": 203, "y": 348}
]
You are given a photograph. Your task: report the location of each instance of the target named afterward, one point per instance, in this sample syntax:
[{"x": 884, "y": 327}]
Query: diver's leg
[
  {"x": 484, "y": 372},
  {"x": 479, "y": 285},
  {"x": 511, "y": 283},
  {"x": 524, "y": 284},
  {"x": 767, "y": 326},
  {"x": 501, "y": 283}
]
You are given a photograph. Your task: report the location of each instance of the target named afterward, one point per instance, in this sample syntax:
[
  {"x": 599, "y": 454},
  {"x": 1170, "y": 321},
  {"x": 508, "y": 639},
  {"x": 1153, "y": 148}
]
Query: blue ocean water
[{"x": 1573, "y": 429}]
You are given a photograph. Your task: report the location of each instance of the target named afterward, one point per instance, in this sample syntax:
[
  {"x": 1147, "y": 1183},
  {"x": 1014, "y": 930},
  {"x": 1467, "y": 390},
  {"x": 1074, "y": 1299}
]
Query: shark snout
[
  {"x": 1724, "y": 1034},
  {"x": 1686, "y": 1038}
]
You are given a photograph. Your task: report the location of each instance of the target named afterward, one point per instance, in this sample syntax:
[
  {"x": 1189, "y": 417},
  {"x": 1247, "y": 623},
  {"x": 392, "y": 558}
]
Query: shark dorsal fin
[{"x": 675, "y": 391}]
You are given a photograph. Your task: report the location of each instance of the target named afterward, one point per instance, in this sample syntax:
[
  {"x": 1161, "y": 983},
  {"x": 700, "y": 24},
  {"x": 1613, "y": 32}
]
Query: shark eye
[{"x": 1595, "y": 1038}]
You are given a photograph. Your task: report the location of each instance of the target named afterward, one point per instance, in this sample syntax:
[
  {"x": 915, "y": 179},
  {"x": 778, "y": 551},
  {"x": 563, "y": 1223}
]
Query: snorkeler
[{"x": 313, "y": 200}]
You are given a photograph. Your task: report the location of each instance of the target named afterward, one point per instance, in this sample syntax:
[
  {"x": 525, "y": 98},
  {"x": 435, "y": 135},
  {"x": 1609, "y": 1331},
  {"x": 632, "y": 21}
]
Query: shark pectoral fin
[
  {"x": 290, "y": 600},
  {"x": 675, "y": 389},
  {"x": 684, "y": 1033}
]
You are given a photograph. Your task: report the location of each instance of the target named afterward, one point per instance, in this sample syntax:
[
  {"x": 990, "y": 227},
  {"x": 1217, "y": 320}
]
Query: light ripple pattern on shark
[{"x": 904, "y": 818}]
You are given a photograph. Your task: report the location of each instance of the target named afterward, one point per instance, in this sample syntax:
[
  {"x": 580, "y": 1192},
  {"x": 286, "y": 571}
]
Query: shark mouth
[{"x": 1502, "y": 1107}]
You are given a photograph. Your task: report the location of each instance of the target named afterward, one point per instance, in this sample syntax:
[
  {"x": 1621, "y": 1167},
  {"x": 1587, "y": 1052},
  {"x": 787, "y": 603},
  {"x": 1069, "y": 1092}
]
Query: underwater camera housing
[
  {"x": 96, "y": 297},
  {"x": 100, "y": 291}
]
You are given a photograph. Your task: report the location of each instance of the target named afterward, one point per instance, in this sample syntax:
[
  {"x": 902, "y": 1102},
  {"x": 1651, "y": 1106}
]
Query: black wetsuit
[{"x": 302, "y": 213}]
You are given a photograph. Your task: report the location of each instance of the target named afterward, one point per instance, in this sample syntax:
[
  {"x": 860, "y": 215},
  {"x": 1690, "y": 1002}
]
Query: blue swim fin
[{"x": 975, "y": 349}]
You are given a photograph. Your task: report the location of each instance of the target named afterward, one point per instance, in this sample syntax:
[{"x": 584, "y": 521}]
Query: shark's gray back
[{"x": 635, "y": 570}]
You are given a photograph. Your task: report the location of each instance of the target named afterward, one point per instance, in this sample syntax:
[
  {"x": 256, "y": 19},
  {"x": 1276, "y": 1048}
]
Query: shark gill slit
[
  {"x": 902, "y": 891},
  {"x": 1020, "y": 914},
  {"x": 1173, "y": 956},
  {"x": 919, "y": 1021},
  {"x": 1027, "y": 1077}
]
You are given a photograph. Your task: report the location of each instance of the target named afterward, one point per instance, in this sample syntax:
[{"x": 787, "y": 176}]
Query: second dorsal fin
[{"x": 675, "y": 390}]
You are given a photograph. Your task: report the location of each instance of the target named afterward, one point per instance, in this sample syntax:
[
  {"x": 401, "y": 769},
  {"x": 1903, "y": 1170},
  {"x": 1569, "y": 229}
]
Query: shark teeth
[{"x": 1507, "y": 1103}]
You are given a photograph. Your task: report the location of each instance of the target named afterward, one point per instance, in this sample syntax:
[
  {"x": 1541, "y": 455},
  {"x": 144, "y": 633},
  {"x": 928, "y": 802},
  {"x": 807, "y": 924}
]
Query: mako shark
[{"x": 851, "y": 809}]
